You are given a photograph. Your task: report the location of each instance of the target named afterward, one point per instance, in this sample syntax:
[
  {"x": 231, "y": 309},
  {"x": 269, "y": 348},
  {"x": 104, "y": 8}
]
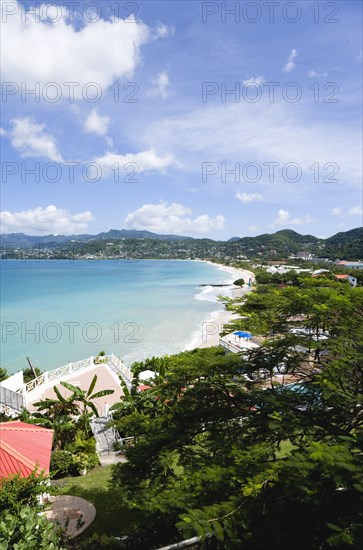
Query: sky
[{"x": 208, "y": 119}]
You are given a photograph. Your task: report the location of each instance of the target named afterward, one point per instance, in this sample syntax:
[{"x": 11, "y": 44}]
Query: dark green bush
[
  {"x": 17, "y": 491},
  {"x": 62, "y": 464}
]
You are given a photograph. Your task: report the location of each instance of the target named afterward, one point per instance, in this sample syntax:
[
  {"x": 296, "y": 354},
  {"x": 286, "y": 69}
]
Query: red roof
[
  {"x": 23, "y": 447},
  {"x": 341, "y": 276}
]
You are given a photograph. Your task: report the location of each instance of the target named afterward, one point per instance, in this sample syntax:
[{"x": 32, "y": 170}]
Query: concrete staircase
[{"x": 105, "y": 437}]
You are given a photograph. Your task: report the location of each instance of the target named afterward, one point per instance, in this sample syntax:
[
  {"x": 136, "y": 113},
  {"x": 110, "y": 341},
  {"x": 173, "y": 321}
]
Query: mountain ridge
[{"x": 282, "y": 243}]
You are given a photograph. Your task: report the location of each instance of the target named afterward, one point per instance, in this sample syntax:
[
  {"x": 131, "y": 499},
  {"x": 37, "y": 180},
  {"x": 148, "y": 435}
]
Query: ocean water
[{"x": 61, "y": 311}]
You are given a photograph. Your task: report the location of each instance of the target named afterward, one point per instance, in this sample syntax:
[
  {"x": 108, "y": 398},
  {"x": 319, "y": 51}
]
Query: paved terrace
[
  {"x": 235, "y": 344},
  {"x": 81, "y": 374}
]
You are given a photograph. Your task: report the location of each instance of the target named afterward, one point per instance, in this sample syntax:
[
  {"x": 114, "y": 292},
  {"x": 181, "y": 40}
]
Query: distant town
[{"x": 285, "y": 245}]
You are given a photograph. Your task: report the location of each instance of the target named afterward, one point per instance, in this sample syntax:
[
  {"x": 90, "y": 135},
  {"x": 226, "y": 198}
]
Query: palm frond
[{"x": 92, "y": 386}]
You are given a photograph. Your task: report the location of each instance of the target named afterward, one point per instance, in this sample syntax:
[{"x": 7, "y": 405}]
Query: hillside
[
  {"x": 349, "y": 243},
  {"x": 282, "y": 242},
  {"x": 20, "y": 239},
  {"x": 143, "y": 244}
]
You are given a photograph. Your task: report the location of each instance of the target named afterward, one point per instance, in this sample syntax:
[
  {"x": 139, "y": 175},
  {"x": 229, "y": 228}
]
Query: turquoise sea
[{"x": 61, "y": 311}]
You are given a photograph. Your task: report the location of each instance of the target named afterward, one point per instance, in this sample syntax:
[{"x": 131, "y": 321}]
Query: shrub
[
  {"x": 82, "y": 444},
  {"x": 62, "y": 464},
  {"x": 84, "y": 461},
  {"x": 17, "y": 492},
  {"x": 117, "y": 446},
  {"x": 27, "y": 529},
  {"x": 28, "y": 374}
]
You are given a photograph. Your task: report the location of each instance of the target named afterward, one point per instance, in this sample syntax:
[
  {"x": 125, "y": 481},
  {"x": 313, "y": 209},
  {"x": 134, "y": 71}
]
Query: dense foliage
[
  {"x": 226, "y": 448},
  {"x": 22, "y": 527},
  {"x": 70, "y": 416},
  {"x": 17, "y": 491},
  {"x": 27, "y": 531}
]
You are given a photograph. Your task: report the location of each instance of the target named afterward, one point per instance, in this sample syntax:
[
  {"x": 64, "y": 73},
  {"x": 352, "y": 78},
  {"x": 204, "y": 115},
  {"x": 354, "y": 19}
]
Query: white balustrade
[{"x": 66, "y": 370}]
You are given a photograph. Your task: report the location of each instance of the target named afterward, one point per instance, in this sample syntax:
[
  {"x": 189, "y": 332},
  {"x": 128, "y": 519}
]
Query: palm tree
[
  {"x": 85, "y": 399},
  {"x": 58, "y": 414}
]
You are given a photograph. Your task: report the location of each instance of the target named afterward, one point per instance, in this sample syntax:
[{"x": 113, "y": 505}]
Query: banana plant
[{"x": 85, "y": 401}]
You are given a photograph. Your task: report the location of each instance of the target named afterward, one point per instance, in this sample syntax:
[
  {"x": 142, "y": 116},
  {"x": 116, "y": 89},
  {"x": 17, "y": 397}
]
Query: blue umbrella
[{"x": 243, "y": 334}]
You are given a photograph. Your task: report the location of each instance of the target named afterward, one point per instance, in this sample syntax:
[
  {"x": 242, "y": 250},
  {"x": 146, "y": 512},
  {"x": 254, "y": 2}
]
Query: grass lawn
[{"x": 112, "y": 517}]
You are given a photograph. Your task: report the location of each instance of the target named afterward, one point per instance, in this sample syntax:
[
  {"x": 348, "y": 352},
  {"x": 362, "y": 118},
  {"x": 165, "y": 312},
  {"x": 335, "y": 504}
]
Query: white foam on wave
[
  {"x": 210, "y": 293},
  {"x": 197, "y": 337},
  {"x": 207, "y": 293}
]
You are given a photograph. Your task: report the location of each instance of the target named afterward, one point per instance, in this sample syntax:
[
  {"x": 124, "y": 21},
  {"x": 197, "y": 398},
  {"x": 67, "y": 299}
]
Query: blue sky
[{"x": 149, "y": 135}]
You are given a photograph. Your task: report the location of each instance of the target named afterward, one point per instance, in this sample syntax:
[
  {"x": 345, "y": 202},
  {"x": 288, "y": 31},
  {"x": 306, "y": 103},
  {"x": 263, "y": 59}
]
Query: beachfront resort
[{"x": 97, "y": 429}]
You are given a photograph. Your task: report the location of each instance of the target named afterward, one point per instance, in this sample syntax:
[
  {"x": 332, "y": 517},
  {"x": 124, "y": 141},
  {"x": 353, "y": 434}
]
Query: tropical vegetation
[
  {"x": 260, "y": 450},
  {"x": 74, "y": 447},
  {"x": 229, "y": 449},
  {"x": 22, "y": 527}
]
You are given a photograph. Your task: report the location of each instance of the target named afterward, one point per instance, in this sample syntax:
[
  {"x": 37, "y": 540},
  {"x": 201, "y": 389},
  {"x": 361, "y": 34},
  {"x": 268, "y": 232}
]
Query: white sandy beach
[{"x": 210, "y": 329}]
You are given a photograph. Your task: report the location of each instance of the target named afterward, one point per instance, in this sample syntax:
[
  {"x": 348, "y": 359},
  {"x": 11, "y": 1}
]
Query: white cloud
[
  {"x": 42, "y": 221},
  {"x": 302, "y": 220},
  {"x": 160, "y": 85},
  {"x": 248, "y": 197},
  {"x": 314, "y": 74},
  {"x": 284, "y": 218},
  {"x": 254, "y": 80},
  {"x": 290, "y": 65},
  {"x": 163, "y": 31},
  {"x": 145, "y": 161},
  {"x": 243, "y": 131},
  {"x": 172, "y": 218},
  {"x": 336, "y": 211},
  {"x": 96, "y": 123},
  {"x": 30, "y": 139},
  {"x": 2, "y": 132},
  {"x": 61, "y": 51},
  {"x": 356, "y": 211}
]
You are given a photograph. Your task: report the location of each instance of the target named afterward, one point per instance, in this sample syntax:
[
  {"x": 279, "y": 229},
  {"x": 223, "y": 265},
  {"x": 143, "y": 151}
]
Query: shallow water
[{"x": 61, "y": 311}]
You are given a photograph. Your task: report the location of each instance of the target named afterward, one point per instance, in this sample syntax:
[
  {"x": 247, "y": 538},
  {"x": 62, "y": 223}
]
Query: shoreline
[
  {"x": 208, "y": 334},
  {"x": 204, "y": 332}
]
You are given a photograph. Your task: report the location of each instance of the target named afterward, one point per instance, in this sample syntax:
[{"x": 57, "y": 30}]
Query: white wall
[{"x": 14, "y": 382}]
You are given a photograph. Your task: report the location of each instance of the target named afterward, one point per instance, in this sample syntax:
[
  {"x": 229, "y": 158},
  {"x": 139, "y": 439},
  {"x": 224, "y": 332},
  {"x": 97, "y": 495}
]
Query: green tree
[
  {"x": 234, "y": 454},
  {"x": 3, "y": 374},
  {"x": 28, "y": 374},
  {"x": 59, "y": 414},
  {"x": 85, "y": 404}
]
